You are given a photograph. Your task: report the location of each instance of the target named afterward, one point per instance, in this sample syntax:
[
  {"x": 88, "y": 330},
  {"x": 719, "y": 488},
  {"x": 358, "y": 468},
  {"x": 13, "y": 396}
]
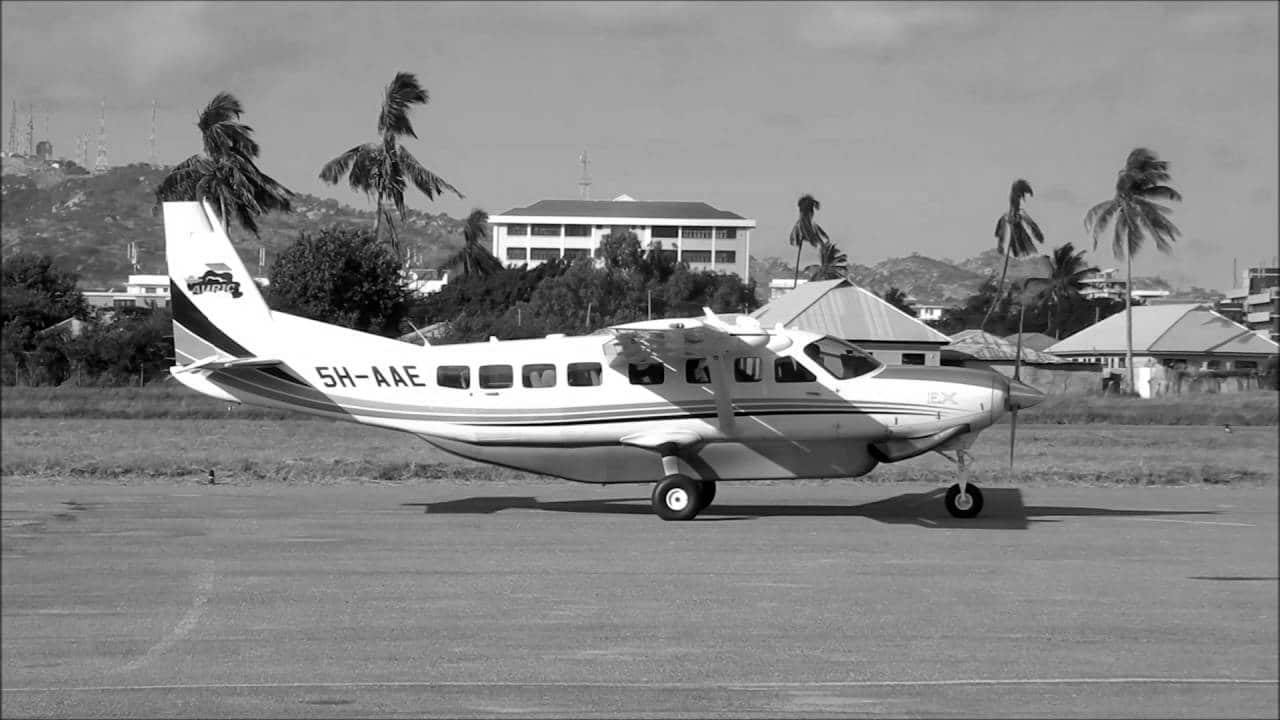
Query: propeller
[{"x": 1015, "y": 388}]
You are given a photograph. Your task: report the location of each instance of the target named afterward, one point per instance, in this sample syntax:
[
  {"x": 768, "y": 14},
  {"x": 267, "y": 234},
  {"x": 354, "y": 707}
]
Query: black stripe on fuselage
[
  {"x": 197, "y": 323},
  {"x": 961, "y": 376}
]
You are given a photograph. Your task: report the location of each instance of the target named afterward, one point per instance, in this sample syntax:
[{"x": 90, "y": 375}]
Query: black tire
[
  {"x": 677, "y": 497},
  {"x": 708, "y": 490},
  {"x": 959, "y": 509}
]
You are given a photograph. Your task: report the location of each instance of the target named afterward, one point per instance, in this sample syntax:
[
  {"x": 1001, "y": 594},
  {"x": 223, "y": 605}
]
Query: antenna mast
[
  {"x": 31, "y": 131},
  {"x": 151, "y": 157},
  {"x": 13, "y": 130},
  {"x": 100, "y": 165},
  {"x": 584, "y": 183}
]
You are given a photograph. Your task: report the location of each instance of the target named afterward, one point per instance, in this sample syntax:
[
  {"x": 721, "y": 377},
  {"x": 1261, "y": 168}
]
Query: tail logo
[{"x": 217, "y": 279}]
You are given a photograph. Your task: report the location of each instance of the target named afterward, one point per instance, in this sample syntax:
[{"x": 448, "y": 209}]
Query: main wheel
[
  {"x": 708, "y": 489},
  {"x": 964, "y": 506},
  {"x": 677, "y": 497}
]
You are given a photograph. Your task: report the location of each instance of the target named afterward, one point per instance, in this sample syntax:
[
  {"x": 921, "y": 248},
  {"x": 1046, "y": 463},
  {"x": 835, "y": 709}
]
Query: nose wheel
[{"x": 964, "y": 502}]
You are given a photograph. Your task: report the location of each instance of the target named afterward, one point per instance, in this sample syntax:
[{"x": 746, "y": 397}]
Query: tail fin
[{"x": 218, "y": 311}]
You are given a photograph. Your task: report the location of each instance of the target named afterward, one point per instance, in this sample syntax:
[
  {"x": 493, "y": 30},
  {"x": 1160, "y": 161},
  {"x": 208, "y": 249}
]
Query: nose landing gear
[{"x": 964, "y": 499}]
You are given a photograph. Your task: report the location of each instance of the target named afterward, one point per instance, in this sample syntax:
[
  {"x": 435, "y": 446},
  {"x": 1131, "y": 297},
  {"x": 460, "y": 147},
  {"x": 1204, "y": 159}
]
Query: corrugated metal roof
[
  {"x": 1190, "y": 329},
  {"x": 1035, "y": 341},
  {"x": 623, "y": 209},
  {"x": 841, "y": 309},
  {"x": 985, "y": 346}
]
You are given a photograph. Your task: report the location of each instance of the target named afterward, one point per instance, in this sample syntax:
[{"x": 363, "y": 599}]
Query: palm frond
[
  {"x": 426, "y": 181},
  {"x": 180, "y": 184},
  {"x": 475, "y": 228},
  {"x": 1033, "y": 227},
  {"x": 333, "y": 170},
  {"x": 403, "y": 91},
  {"x": 1160, "y": 192},
  {"x": 221, "y": 131},
  {"x": 1098, "y": 217},
  {"x": 1019, "y": 190},
  {"x": 1002, "y": 223}
]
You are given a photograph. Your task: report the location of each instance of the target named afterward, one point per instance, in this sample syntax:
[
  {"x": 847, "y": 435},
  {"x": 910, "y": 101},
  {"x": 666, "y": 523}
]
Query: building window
[
  {"x": 912, "y": 358},
  {"x": 544, "y": 253},
  {"x": 696, "y": 233},
  {"x": 495, "y": 377},
  {"x": 538, "y": 376},
  {"x": 696, "y": 371},
  {"x": 583, "y": 374},
  {"x": 697, "y": 256},
  {"x": 517, "y": 253},
  {"x": 1246, "y": 364},
  {"x": 1212, "y": 364},
  {"x": 573, "y": 253},
  {"x": 517, "y": 229},
  {"x": 646, "y": 373},
  {"x": 787, "y": 370},
  {"x": 546, "y": 230},
  {"x": 123, "y": 303},
  {"x": 577, "y": 231},
  {"x": 746, "y": 369},
  {"x": 665, "y": 231},
  {"x": 726, "y": 233},
  {"x": 453, "y": 376},
  {"x": 726, "y": 257}
]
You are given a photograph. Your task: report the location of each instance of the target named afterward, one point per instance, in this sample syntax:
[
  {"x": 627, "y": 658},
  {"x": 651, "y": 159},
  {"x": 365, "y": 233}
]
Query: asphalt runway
[{"x": 561, "y": 600}]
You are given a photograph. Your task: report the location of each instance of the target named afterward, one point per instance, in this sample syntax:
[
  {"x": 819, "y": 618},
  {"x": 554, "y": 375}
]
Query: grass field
[
  {"x": 314, "y": 451},
  {"x": 171, "y": 401}
]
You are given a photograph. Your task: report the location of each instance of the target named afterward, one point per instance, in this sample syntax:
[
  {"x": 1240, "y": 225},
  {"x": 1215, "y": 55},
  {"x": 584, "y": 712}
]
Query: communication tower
[
  {"x": 31, "y": 131},
  {"x": 13, "y": 130},
  {"x": 151, "y": 155},
  {"x": 100, "y": 165},
  {"x": 584, "y": 183}
]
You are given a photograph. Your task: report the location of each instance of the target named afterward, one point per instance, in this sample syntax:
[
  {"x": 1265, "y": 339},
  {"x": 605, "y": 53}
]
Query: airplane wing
[{"x": 710, "y": 337}]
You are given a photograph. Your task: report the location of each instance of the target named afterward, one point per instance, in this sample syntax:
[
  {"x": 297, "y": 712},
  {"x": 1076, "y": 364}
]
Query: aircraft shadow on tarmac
[{"x": 1003, "y": 509}]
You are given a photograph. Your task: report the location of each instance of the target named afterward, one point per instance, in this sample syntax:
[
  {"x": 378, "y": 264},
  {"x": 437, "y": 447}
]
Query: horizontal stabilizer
[{"x": 222, "y": 362}]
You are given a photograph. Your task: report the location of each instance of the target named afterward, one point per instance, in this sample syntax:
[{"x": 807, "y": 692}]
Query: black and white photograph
[{"x": 639, "y": 359}]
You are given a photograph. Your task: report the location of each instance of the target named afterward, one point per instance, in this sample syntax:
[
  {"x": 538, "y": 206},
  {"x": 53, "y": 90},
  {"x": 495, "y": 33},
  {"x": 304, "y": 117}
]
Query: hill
[{"x": 87, "y": 222}]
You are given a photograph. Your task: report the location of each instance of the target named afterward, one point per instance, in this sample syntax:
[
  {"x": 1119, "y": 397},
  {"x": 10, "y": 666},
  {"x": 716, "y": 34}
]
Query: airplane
[{"x": 682, "y": 403}]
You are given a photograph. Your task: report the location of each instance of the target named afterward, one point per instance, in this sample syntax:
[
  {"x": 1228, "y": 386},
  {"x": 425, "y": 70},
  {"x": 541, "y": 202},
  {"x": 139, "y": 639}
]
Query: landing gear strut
[{"x": 964, "y": 499}]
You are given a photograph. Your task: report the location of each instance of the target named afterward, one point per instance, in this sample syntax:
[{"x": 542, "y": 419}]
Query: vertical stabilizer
[{"x": 218, "y": 311}]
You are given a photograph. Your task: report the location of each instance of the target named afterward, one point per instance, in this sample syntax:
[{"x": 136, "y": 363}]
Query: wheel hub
[
  {"x": 677, "y": 499},
  {"x": 964, "y": 501}
]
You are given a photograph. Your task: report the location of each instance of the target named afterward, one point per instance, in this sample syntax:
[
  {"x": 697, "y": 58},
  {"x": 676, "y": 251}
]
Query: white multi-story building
[
  {"x": 693, "y": 232},
  {"x": 1108, "y": 284}
]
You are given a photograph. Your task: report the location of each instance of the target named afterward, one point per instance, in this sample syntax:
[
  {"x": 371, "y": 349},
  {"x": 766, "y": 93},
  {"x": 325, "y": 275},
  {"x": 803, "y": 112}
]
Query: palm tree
[
  {"x": 474, "y": 258},
  {"x": 1135, "y": 217},
  {"x": 833, "y": 264},
  {"x": 1065, "y": 281},
  {"x": 1016, "y": 234},
  {"x": 380, "y": 169},
  {"x": 806, "y": 230},
  {"x": 225, "y": 174}
]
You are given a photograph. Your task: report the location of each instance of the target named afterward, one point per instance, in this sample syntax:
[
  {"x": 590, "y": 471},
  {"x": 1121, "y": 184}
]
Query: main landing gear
[
  {"x": 964, "y": 499},
  {"x": 678, "y": 497}
]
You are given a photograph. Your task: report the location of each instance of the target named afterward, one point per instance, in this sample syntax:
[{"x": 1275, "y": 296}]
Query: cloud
[
  {"x": 1062, "y": 195},
  {"x": 882, "y": 27},
  {"x": 1225, "y": 18}
]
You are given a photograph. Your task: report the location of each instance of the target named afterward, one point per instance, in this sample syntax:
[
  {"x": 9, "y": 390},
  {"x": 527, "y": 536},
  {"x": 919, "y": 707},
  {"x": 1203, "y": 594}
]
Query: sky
[{"x": 907, "y": 121}]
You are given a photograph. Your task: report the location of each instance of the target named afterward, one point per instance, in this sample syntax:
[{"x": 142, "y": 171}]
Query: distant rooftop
[{"x": 654, "y": 209}]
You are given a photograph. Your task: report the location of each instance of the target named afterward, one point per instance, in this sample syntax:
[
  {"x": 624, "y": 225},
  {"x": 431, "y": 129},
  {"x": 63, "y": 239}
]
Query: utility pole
[{"x": 584, "y": 183}]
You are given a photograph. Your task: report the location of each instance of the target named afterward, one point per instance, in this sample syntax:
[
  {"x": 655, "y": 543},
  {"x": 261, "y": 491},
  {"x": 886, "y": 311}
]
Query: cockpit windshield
[{"x": 839, "y": 358}]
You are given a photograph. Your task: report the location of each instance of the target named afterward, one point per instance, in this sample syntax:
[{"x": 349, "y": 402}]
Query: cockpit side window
[{"x": 840, "y": 359}]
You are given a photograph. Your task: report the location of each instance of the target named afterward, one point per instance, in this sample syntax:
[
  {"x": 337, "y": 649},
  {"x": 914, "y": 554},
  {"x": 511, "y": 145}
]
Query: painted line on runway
[
  {"x": 655, "y": 686},
  {"x": 188, "y": 622},
  {"x": 1197, "y": 522}
]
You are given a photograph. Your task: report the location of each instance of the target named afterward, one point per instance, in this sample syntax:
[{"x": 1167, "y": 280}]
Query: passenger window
[
  {"x": 495, "y": 377},
  {"x": 583, "y": 374},
  {"x": 696, "y": 371},
  {"x": 453, "y": 376},
  {"x": 912, "y": 358},
  {"x": 746, "y": 369},
  {"x": 538, "y": 376},
  {"x": 788, "y": 370},
  {"x": 646, "y": 373}
]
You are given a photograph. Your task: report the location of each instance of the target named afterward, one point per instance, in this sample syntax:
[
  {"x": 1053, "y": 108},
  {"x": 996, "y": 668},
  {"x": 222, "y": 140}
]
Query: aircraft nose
[{"x": 1022, "y": 396}]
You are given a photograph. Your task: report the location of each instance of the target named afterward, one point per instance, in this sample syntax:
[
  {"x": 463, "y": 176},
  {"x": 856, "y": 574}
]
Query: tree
[
  {"x": 898, "y": 299},
  {"x": 832, "y": 263},
  {"x": 380, "y": 169},
  {"x": 474, "y": 258},
  {"x": 1065, "y": 282},
  {"x": 806, "y": 230},
  {"x": 1016, "y": 232},
  {"x": 34, "y": 295},
  {"x": 341, "y": 276},
  {"x": 1135, "y": 216},
  {"x": 226, "y": 174}
]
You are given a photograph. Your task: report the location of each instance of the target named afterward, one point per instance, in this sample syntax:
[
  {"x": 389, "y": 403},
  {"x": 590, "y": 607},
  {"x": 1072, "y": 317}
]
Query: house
[
  {"x": 140, "y": 291},
  {"x": 1107, "y": 284},
  {"x": 1193, "y": 341},
  {"x": 1045, "y": 371},
  {"x": 1035, "y": 341},
  {"x": 694, "y": 232},
  {"x": 1256, "y": 302},
  {"x": 841, "y": 309}
]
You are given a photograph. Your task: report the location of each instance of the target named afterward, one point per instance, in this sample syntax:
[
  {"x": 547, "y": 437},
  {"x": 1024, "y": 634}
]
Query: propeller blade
[
  {"x": 1013, "y": 433},
  {"x": 1017, "y": 358}
]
